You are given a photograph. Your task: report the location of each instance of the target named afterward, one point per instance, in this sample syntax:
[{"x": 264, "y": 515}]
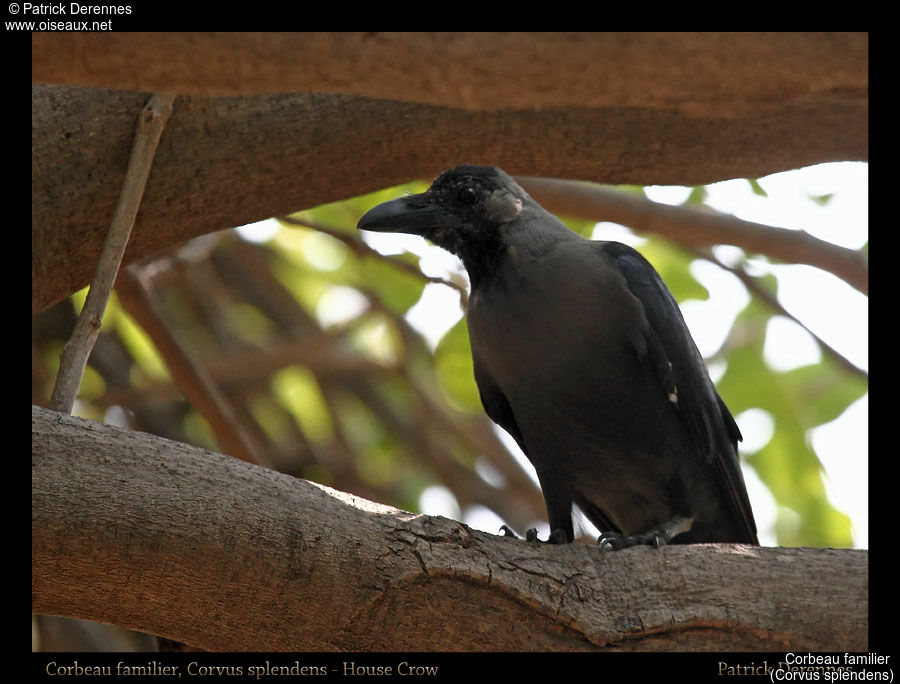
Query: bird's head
[{"x": 463, "y": 211}]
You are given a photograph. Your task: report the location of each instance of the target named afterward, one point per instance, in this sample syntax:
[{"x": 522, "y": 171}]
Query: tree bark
[
  {"x": 379, "y": 110},
  {"x": 177, "y": 541},
  {"x": 711, "y": 73}
]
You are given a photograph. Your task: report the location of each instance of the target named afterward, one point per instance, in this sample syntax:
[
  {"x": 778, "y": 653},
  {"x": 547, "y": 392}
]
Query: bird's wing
[
  {"x": 496, "y": 405},
  {"x": 677, "y": 363}
]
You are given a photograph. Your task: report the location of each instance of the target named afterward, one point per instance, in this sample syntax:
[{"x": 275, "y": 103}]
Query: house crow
[{"x": 582, "y": 355}]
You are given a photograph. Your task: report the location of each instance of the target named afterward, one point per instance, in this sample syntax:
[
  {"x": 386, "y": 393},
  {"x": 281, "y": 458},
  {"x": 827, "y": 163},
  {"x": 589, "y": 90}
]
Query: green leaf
[
  {"x": 823, "y": 390},
  {"x": 697, "y": 196},
  {"x": 821, "y": 200},
  {"x": 757, "y": 188},
  {"x": 583, "y": 227},
  {"x": 798, "y": 400},
  {"x": 298, "y": 391},
  {"x": 453, "y": 364},
  {"x": 674, "y": 267},
  {"x": 345, "y": 214},
  {"x": 397, "y": 288}
]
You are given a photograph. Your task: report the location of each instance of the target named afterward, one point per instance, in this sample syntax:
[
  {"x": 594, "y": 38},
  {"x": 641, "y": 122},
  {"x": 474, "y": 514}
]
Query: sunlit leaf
[
  {"x": 271, "y": 417},
  {"x": 787, "y": 464},
  {"x": 199, "y": 431},
  {"x": 376, "y": 336},
  {"x": 581, "y": 226},
  {"x": 696, "y": 197},
  {"x": 248, "y": 323},
  {"x": 673, "y": 266},
  {"x": 397, "y": 288},
  {"x": 453, "y": 363},
  {"x": 298, "y": 391},
  {"x": 757, "y": 188},
  {"x": 149, "y": 364},
  {"x": 345, "y": 214},
  {"x": 821, "y": 200}
]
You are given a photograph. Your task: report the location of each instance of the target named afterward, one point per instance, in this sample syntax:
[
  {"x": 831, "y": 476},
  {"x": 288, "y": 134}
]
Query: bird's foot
[
  {"x": 557, "y": 536},
  {"x": 656, "y": 537}
]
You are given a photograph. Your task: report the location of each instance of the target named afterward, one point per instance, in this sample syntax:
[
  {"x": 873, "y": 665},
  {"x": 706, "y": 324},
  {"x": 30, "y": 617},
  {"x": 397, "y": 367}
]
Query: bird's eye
[{"x": 466, "y": 194}]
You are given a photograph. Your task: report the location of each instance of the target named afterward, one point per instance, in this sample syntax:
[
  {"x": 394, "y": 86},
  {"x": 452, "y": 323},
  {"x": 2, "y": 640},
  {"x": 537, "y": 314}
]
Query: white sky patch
[
  {"x": 843, "y": 448},
  {"x": 115, "y": 415},
  {"x": 340, "y": 304},
  {"x": 842, "y": 219},
  {"x": 757, "y": 427},
  {"x": 829, "y": 307},
  {"x": 716, "y": 368},
  {"x": 438, "y": 308},
  {"x": 482, "y": 518},
  {"x": 788, "y": 345},
  {"x": 489, "y": 473},
  {"x": 435, "y": 313},
  {"x": 261, "y": 231},
  {"x": 394, "y": 243},
  {"x": 607, "y": 230},
  {"x": 668, "y": 194},
  {"x": 729, "y": 254},
  {"x": 438, "y": 500},
  {"x": 763, "y": 504},
  {"x": 710, "y": 320},
  {"x": 514, "y": 449}
]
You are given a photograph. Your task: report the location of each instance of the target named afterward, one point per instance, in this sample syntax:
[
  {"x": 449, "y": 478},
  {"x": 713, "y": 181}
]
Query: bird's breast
[
  {"x": 563, "y": 346},
  {"x": 546, "y": 326}
]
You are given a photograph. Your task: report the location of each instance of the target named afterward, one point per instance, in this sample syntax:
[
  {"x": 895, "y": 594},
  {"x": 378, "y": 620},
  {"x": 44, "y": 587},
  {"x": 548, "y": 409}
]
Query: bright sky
[{"x": 826, "y": 305}]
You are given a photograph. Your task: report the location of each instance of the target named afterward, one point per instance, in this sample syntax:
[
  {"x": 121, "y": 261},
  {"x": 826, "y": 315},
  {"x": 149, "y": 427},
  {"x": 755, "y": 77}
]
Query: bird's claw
[
  {"x": 656, "y": 537},
  {"x": 611, "y": 541},
  {"x": 557, "y": 536}
]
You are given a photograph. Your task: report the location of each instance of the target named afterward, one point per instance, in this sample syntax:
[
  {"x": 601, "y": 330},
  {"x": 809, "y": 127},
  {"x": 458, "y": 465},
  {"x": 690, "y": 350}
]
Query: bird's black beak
[{"x": 416, "y": 214}]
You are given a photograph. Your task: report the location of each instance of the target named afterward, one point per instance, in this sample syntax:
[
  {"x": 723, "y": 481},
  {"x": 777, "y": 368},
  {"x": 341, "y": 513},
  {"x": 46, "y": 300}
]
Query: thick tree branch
[
  {"x": 155, "y": 535},
  {"x": 230, "y": 161},
  {"x": 696, "y": 73}
]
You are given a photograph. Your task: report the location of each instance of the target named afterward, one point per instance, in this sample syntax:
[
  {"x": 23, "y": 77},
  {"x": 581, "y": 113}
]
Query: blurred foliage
[
  {"x": 797, "y": 400},
  {"x": 306, "y": 338}
]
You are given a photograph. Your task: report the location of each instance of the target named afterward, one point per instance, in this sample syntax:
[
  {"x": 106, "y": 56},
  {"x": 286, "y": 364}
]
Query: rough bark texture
[
  {"x": 166, "y": 538},
  {"x": 707, "y": 73},
  {"x": 379, "y": 110}
]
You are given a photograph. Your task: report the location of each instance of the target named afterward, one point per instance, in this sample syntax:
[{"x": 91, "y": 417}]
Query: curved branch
[
  {"x": 225, "y": 162},
  {"x": 697, "y": 73},
  {"x": 177, "y": 541},
  {"x": 694, "y": 228}
]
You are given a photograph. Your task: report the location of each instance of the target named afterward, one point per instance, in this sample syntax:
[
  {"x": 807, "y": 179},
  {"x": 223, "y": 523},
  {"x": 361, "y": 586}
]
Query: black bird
[{"x": 582, "y": 355}]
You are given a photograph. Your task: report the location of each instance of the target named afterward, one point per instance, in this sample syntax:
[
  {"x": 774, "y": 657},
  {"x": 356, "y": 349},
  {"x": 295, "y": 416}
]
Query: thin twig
[{"x": 75, "y": 353}]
